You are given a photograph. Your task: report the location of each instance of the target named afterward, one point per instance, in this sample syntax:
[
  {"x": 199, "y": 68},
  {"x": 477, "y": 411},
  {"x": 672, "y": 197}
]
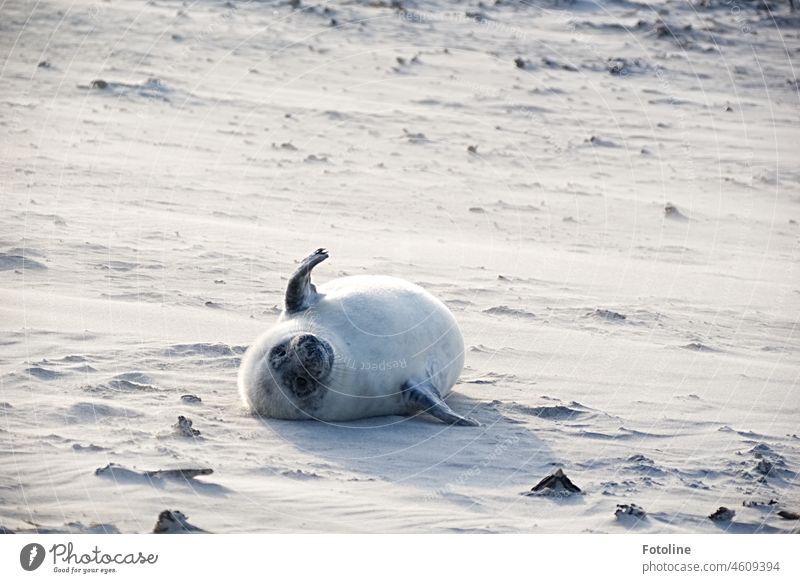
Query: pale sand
[{"x": 148, "y": 228}]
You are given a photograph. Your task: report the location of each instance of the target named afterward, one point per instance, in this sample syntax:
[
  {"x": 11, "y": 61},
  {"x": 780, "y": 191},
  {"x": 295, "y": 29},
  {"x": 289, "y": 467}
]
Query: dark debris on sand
[
  {"x": 119, "y": 472},
  {"x": 556, "y": 484},
  {"x": 759, "y": 503},
  {"x": 184, "y": 427},
  {"x": 174, "y": 522},
  {"x": 186, "y": 473},
  {"x": 607, "y": 315},
  {"x": 624, "y": 510},
  {"x": 722, "y": 514},
  {"x": 672, "y": 212}
]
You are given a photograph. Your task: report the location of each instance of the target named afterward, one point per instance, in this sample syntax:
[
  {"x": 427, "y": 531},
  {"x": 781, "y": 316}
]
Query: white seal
[{"x": 360, "y": 346}]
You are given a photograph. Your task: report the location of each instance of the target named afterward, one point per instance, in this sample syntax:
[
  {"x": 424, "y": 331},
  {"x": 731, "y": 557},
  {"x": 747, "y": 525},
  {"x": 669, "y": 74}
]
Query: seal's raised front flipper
[
  {"x": 423, "y": 396},
  {"x": 301, "y": 293}
]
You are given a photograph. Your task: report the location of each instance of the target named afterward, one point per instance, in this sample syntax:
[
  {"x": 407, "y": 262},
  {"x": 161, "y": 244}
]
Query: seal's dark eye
[
  {"x": 301, "y": 382},
  {"x": 278, "y": 352}
]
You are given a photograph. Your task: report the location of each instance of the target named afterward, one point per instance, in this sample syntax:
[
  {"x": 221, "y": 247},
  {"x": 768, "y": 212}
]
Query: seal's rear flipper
[
  {"x": 300, "y": 292},
  {"x": 424, "y": 397}
]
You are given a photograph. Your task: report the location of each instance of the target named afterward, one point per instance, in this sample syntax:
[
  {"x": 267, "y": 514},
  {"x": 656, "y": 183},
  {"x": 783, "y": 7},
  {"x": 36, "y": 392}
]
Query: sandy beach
[{"x": 605, "y": 194}]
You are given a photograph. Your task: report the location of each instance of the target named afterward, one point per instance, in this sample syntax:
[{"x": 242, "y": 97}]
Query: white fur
[{"x": 384, "y": 331}]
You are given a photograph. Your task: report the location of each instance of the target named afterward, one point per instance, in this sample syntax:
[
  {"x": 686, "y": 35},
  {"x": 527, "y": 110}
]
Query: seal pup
[{"x": 360, "y": 346}]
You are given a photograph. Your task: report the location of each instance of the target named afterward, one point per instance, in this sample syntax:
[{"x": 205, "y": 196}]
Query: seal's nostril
[{"x": 303, "y": 387}]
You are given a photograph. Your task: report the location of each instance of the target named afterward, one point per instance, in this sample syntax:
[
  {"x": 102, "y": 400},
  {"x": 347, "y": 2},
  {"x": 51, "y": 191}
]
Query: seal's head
[
  {"x": 301, "y": 364},
  {"x": 292, "y": 377}
]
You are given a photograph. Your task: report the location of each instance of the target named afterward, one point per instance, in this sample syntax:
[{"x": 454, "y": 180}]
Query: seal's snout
[
  {"x": 307, "y": 347},
  {"x": 315, "y": 354},
  {"x": 304, "y": 340}
]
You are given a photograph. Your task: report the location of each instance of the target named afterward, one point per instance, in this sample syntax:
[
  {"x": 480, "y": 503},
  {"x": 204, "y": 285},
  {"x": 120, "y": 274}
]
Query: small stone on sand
[
  {"x": 629, "y": 510},
  {"x": 174, "y": 522},
  {"x": 186, "y": 474},
  {"x": 722, "y": 514},
  {"x": 671, "y": 211},
  {"x": 556, "y": 484},
  {"x": 184, "y": 427}
]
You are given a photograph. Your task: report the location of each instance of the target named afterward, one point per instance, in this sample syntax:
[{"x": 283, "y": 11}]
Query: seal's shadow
[{"x": 422, "y": 451}]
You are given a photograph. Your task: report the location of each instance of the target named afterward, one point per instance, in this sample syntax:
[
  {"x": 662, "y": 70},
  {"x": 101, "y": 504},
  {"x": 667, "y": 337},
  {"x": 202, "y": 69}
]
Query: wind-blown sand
[{"x": 164, "y": 165}]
